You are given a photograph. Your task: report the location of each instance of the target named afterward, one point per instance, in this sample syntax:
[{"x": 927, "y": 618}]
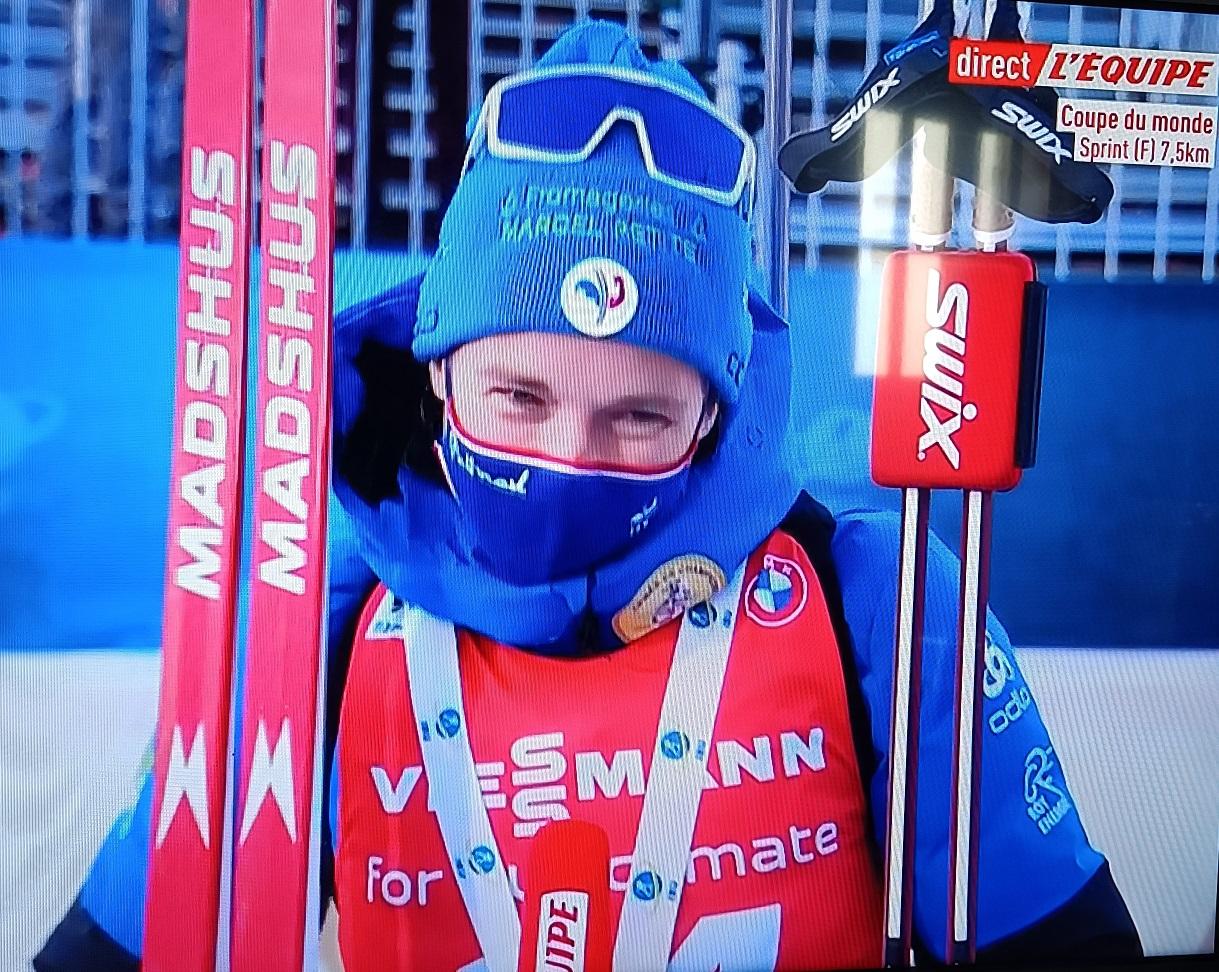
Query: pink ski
[
  {"x": 201, "y": 573},
  {"x": 275, "y": 838}
]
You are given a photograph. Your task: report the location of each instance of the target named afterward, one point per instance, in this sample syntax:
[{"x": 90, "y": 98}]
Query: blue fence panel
[{"x": 1112, "y": 539}]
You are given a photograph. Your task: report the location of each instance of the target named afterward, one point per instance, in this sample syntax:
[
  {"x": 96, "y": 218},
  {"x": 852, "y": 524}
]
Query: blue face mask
[{"x": 532, "y": 519}]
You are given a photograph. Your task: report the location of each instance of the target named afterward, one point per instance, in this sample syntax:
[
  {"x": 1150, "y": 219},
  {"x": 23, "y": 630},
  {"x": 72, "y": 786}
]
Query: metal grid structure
[
  {"x": 1162, "y": 221},
  {"x": 34, "y": 55},
  {"x": 394, "y": 181},
  {"x": 507, "y": 37},
  {"x": 90, "y": 121},
  {"x": 74, "y": 158}
]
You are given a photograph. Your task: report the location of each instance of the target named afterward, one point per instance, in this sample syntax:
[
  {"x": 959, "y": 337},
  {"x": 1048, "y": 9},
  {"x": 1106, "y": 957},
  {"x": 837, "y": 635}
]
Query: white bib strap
[
  {"x": 453, "y": 790},
  {"x": 675, "y": 782}
]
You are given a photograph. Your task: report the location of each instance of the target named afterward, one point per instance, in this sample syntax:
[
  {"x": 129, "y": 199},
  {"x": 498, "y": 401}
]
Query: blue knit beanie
[{"x": 537, "y": 246}]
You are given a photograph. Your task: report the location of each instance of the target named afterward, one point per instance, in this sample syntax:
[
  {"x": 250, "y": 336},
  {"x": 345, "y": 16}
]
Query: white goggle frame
[{"x": 486, "y": 133}]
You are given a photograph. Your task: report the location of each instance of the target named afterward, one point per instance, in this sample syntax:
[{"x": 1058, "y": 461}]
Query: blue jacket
[{"x": 1059, "y": 869}]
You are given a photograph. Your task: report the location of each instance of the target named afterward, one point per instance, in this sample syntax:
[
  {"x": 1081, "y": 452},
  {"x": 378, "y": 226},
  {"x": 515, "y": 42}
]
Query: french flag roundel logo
[
  {"x": 777, "y": 593},
  {"x": 599, "y": 297}
]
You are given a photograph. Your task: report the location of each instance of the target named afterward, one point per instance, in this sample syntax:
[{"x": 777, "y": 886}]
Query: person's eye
[
  {"x": 518, "y": 397},
  {"x": 646, "y": 420}
]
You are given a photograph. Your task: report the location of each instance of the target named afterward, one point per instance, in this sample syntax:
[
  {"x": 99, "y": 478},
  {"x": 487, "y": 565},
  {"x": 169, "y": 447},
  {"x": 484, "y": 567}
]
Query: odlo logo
[
  {"x": 940, "y": 404},
  {"x": 1045, "y": 138},
  {"x": 865, "y": 103}
]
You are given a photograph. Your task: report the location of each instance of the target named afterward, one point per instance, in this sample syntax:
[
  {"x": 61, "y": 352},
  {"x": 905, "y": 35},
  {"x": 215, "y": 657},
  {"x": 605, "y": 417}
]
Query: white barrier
[{"x": 1137, "y": 732}]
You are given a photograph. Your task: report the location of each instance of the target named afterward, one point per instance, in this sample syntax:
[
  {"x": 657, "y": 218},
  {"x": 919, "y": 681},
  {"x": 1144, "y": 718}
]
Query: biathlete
[{"x": 568, "y": 529}]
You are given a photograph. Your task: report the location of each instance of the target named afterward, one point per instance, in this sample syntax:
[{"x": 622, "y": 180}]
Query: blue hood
[{"x": 387, "y": 478}]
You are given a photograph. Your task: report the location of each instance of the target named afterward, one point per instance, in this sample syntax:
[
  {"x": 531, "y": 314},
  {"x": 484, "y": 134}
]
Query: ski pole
[
  {"x": 777, "y": 125},
  {"x": 931, "y": 223},
  {"x": 993, "y": 224},
  {"x": 931, "y": 201},
  {"x": 967, "y": 710},
  {"x": 956, "y": 390}
]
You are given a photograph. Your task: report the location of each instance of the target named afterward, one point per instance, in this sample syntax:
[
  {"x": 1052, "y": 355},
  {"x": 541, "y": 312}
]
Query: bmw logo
[
  {"x": 772, "y": 591},
  {"x": 482, "y": 859},
  {"x": 675, "y": 744},
  {"x": 448, "y": 723},
  {"x": 777, "y": 593},
  {"x": 646, "y": 886}
]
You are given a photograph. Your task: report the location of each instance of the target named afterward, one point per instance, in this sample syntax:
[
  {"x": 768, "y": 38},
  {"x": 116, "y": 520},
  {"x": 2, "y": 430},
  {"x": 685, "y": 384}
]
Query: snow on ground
[
  {"x": 1138, "y": 736},
  {"x": 1137, "y": 732}
]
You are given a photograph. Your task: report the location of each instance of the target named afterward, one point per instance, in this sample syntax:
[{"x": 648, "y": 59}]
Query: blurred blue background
[{"x": 1112, "y": 539}]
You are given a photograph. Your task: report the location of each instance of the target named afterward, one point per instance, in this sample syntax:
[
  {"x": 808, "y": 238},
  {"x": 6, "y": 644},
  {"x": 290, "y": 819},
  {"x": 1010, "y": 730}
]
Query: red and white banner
[
  {"x": 1020, "y": 64},
  {"x": 276, "y": 837},
  {"x": 201, "y": 571}
]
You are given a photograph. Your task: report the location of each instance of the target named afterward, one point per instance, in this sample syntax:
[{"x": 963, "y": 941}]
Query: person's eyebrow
[
  {"x": 499, "y": 375},
  {"x": 657, "y": 402}
]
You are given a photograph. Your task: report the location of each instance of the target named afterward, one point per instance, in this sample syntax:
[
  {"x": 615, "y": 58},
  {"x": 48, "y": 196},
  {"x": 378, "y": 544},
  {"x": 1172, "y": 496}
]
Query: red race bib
[{"x": 779, "y": 874}]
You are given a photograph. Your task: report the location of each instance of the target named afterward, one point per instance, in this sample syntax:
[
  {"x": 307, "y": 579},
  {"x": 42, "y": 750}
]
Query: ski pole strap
[
  {"x": 913, "y": 84},
  {"x": 675, "y": 781},
  {"x": 670, "y": 802},
  {"x": 906, "y": 87},
  {"x": 1043, "y": 180}
]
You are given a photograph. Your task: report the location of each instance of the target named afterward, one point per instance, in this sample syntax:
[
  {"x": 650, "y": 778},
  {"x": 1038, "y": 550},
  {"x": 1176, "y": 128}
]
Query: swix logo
[
  {"x": 185, "y": 777},
  {"x": 271, "y": 772},
  {"x": 944, "y": 369},
  {"x": 867, "y": 101},
  {"x": 1037, "y": 132}
]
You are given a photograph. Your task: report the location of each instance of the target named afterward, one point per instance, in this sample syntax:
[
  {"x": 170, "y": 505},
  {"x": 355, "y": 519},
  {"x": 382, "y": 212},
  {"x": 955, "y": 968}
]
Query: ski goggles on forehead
[{"x": 562, "y": 114}]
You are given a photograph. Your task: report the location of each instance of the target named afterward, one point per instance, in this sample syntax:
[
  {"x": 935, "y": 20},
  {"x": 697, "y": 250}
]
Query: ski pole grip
[{"x": 957, "y": 370}]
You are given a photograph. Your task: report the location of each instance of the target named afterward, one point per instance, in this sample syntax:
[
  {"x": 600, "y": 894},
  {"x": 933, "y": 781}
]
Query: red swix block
[
  {"x": 567, "y": 903},
  {"x": 944, "y": 411},
  {"x": 205, "y": 492},
  {"x": 276, "y": 838}
]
